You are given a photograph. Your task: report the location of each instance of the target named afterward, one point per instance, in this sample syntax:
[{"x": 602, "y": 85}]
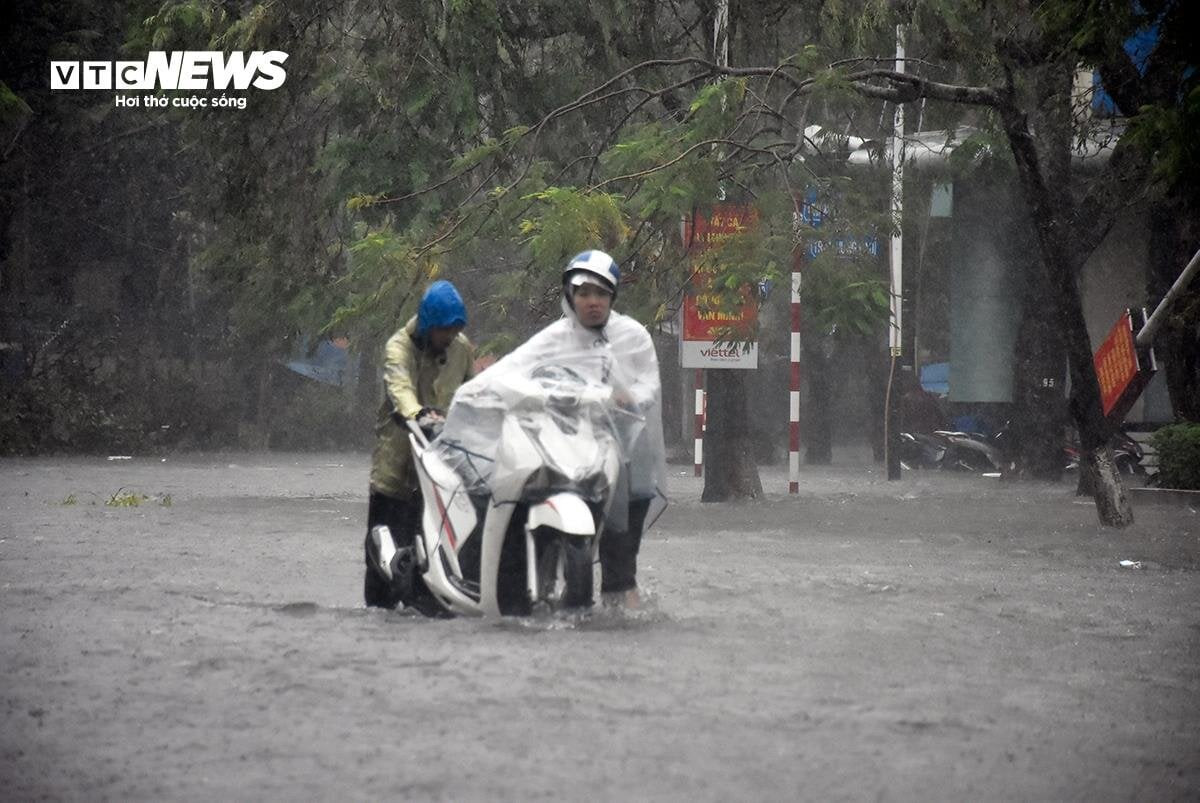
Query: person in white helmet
[{"x": 608, "y": 347}]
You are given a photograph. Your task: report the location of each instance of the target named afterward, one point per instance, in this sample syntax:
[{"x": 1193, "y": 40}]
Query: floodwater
[{"x": 944, "y": 637}]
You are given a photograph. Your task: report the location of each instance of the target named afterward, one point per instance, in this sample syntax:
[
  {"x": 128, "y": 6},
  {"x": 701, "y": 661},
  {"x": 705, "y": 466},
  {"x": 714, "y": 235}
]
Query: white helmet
[{"x": 595, "y": 267}]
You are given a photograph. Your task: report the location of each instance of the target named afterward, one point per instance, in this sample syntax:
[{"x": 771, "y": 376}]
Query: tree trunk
[
  {"x": 1035, "y": 431},
  {"x": 1039, "y": 379},
  {"x": 729, "y": 468},
  {"x": 1111, "y": 500},
  {"x": 1049, "y": 202}
]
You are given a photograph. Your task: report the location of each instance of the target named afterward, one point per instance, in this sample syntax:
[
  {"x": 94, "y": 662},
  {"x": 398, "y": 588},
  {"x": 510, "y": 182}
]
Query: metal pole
[
  {"x": 794, "y": 385},
  {"x": 895, "y": 258},
  {"x": 895, "y": 252},
  {"x": 699, "y": 422},
  {"x": 721, "y": 33},
  {"x": 721, "y": 56},
  {"x": 1146, "y": 336}
]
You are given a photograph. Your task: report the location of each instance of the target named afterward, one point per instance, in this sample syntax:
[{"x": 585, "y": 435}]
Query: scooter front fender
[{"x": 564, "y": 512}]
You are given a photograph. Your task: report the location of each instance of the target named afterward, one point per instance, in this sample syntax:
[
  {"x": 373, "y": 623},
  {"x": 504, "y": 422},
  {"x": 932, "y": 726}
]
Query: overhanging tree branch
[
  {"x": 906, "y": 88},
  {"x": 663, "y": 166}
]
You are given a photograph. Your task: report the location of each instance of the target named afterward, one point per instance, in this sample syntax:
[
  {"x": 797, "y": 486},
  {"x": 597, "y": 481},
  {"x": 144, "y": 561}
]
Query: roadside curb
[{"x": 1166, "y": 496}]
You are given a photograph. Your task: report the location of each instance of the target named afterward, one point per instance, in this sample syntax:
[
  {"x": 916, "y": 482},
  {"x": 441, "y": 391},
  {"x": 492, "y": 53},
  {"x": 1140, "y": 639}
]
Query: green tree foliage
[{"x": 485, "y": 141}]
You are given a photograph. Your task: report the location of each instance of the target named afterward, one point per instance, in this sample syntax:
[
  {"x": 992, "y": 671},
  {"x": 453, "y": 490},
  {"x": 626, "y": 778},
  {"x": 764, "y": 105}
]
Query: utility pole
[
  {"x": 721, "y": 57},
  {"x": 895, "y": 260},
  {"x": 721, "y": 33}
]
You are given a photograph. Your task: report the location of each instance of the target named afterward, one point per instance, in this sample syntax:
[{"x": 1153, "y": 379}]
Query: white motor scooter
[{"x": 518, "y": 532}]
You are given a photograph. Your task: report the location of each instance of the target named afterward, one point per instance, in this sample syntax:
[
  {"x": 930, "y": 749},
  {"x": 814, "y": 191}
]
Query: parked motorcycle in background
[
  {"x": 967, "y": 444},
  {"x": 974, "y": 451},
  {"x": 1127, "y": 453},
  {"x": 951, "y": 449}
]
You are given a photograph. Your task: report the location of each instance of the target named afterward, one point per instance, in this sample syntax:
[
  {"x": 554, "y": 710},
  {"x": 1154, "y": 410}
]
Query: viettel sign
[{"x": 711, "y": 314}]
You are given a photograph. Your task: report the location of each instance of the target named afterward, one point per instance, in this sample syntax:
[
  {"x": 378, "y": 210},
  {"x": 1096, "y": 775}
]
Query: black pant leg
[
  {"x": 399, "y": 517},
  {"x": 619, "y": 550},
  {"x": 402, "y": 516}
]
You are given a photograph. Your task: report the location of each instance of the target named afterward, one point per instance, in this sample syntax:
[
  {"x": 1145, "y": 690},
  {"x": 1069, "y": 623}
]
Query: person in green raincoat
[{"x": 424, "y": 364}]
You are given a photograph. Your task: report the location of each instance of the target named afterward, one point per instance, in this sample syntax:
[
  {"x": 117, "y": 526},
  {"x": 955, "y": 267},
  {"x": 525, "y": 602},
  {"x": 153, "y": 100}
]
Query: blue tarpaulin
[
  {"x": 329, "y": 363},
  {"x": 1139, "y": 47},
  {"x": 935, "y": 377}
]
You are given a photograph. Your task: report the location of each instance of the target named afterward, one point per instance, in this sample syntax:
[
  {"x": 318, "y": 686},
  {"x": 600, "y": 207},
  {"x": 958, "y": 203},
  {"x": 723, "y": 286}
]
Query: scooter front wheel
[{"x": 577, "y": 570}]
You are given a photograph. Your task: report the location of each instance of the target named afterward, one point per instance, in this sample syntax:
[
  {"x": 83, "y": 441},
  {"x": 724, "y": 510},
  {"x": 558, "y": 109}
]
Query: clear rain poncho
[{"x": 586, "y": 390}]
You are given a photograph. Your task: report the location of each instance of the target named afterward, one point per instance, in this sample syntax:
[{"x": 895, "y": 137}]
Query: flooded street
[{"x": 944, "y": 637}]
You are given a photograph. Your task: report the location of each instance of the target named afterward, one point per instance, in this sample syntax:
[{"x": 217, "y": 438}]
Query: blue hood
[{"x": 440, "y": 306}]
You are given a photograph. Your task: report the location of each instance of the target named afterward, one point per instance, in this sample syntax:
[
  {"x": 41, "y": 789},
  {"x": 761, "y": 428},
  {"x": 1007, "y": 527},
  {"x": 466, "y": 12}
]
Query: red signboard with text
[
  {"x": 1117, "y": 363},
  {"x": 713, "y": 323}
]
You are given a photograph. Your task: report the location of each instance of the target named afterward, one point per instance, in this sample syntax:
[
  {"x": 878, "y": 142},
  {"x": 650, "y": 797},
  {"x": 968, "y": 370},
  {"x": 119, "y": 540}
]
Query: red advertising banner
[
  {"x": 1116, "y": 362},
  {"x": 707, "y": 315}
]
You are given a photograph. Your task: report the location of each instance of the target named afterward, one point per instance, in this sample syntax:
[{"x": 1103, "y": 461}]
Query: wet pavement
[{"x": 943, "y": 637}]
